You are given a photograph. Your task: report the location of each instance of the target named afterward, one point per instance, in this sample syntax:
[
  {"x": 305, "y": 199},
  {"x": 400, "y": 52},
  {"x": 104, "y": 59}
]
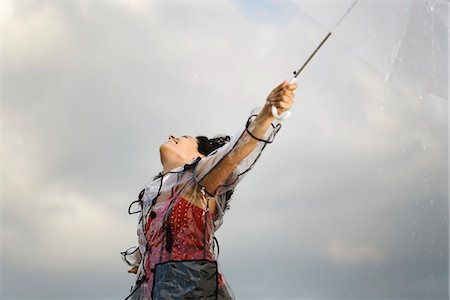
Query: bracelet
[{"x": 275, "y": 131}]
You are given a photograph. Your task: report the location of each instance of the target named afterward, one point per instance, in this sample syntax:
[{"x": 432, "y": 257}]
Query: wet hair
[{"x": 205, "y": 145}]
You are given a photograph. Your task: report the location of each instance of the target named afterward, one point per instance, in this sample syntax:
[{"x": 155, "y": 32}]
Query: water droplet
[
  {"x": 403, "y": 150},
  {"x": 424, "y": 146},
  {"x": 432, "y": 7},
  {"x": 381, "y": 107},
  {"x": 420, "y": 97},
  {"x": 431, "y": 201},
  {"x": 413, "y": 233}
]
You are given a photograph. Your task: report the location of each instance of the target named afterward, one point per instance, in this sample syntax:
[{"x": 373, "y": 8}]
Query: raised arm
[{"x": 256, "y": 132}]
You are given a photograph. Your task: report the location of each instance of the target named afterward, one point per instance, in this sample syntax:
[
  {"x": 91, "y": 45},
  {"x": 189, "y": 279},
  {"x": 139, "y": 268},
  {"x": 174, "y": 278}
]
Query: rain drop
[
  {"x": 431, "y": 201},
  {"x": 424, "y": 146},
  {"x": 403, "y": 150},
  {"x": 420, "y": 97},
  {"x": 413, "y": 233},
  {"x": 381, "y": 107}
]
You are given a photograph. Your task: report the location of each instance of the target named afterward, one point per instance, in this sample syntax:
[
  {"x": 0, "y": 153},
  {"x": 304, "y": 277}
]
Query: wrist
[{"x": 265, "y": 116}]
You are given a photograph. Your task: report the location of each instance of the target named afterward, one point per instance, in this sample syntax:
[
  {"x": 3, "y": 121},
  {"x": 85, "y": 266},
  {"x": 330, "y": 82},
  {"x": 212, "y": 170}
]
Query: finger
[
  {"x": 283, "y": 105},
  {"x": 282, "y": 99},
  {"x": 284, "y": 92},
  {"x": 280, "y": 87},
  {"x": 292, "y": 86},
  {"x": 287, "y": 92}
]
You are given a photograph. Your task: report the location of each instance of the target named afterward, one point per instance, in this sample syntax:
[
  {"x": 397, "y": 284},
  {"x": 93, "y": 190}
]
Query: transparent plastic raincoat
[{"x": 177, "y": 219}]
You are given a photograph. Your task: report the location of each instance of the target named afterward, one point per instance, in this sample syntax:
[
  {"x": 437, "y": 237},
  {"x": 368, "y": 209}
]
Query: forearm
[
  {"x": 258, "y": 132},
  {"x": 262, "y": 122},
  {"x": 244, "y": 146}
]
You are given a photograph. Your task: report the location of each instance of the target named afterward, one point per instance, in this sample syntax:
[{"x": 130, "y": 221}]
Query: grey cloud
[{"x": 361, "y": 164}]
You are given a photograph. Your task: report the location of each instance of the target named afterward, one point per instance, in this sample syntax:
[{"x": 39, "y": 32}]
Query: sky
[{"x": 349, "y": 202}]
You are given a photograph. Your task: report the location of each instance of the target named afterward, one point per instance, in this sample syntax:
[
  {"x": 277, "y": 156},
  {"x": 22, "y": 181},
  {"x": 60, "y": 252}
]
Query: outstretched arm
[{"x": 282, "y": 97}]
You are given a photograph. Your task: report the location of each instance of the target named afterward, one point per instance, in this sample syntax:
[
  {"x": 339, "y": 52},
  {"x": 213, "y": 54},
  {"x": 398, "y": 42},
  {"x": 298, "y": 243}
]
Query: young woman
[{"x": 184, "y": 205}]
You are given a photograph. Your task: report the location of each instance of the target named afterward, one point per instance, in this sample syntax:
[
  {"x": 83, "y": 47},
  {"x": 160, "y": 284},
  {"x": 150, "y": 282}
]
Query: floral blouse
[{"x": 178, "y": 218}]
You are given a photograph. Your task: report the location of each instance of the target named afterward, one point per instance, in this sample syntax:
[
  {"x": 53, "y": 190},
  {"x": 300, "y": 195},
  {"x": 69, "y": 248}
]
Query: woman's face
[{"x": 179, "y": 150}]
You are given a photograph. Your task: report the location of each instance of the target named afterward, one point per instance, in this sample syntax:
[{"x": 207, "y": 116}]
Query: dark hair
[{"x": 205, "y": 145}]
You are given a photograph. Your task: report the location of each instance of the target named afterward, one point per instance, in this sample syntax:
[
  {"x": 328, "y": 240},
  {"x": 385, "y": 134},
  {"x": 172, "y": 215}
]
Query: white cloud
[
  {"x": 343, "y": 252},
  {"x": 35, "y": 35},
  {"x": 70, "y": 232},
  {"x": 80, "y": 140}
]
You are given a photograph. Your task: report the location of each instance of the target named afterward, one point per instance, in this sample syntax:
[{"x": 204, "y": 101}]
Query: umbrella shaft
[
  {"x": 328, "y": 35},
  {"x": 312, "y": 55}
]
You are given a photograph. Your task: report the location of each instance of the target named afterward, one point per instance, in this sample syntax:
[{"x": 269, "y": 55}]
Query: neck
[
  {"x": 167, "y": 167},
  {"x": 170, "y": 166}
]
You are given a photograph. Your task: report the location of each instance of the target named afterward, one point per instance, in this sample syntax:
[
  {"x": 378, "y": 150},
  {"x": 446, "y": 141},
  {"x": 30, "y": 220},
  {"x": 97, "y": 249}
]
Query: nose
[{"x": 172, "y": 137}]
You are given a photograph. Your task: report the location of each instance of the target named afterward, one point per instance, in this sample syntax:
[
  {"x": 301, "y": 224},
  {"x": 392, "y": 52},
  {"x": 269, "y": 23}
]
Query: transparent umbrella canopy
[{"x": 405, "y": 41}]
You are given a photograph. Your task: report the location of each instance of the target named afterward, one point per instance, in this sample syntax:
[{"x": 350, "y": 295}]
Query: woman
[{"x": 183, "y": 206}]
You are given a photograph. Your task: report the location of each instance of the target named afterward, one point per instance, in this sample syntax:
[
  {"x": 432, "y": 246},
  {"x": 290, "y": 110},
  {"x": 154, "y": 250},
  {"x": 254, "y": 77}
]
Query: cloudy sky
[{"x": 350, "y": 201}]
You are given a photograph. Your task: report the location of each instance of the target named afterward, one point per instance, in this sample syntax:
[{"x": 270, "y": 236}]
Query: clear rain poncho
[{"x": 177, "y": 219}]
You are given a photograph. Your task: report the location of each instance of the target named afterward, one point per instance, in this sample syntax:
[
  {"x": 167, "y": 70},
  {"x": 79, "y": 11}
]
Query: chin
[{"x": 165, "y": 148}]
